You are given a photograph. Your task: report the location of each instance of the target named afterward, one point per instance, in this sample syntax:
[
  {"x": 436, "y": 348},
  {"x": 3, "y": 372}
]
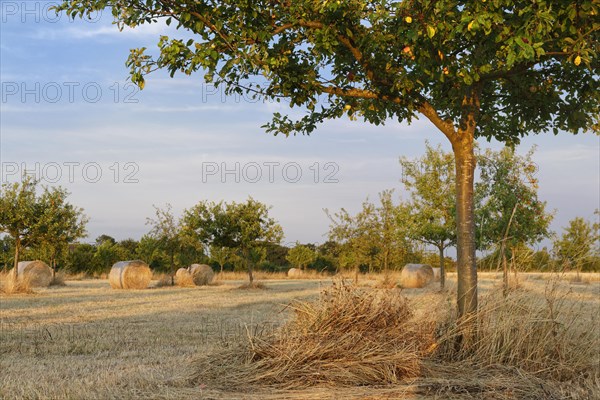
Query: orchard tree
[
  {"x": 579, "y": 245},
  {"x": 431, "y": 212},
  {"x": 107, "y": 253},
  {"x": 301, "y": 256},
  {"x": 165, "y": 229},
  {"x": 509, "y": 212},
  {"x": 375, "y": 236},
  {"x": 60, "y": 224},
  {"x": 221, "y": 255},
  {"x": 494, "y": 69},
  {"x": 46, "y": 221},
  {"x": 245, "y": 227},
  {"x": 20, "y": 213}
]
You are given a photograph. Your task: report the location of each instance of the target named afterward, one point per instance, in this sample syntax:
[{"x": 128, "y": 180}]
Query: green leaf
[{"x": 430, "y": 31}]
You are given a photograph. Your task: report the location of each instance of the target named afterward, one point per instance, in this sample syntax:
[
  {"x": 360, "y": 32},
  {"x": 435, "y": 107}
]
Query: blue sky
[{"x": 67, "y": 106}]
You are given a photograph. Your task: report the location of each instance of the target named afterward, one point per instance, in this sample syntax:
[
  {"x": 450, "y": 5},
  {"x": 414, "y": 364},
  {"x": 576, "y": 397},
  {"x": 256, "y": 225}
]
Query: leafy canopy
[
  {"x": 511, "y": 67},
  {"x": 301, "y": 256},
  {"x": 431, "y": 182}
]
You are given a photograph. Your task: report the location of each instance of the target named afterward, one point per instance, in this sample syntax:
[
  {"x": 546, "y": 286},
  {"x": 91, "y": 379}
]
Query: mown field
[{"x": 87, "y": 341}]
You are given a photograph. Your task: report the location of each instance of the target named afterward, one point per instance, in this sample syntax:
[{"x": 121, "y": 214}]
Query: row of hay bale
[
  {"x": 194, "y": 275},
  {"x": 133, "y": 274},
  {"x": 136, "y": 274}
]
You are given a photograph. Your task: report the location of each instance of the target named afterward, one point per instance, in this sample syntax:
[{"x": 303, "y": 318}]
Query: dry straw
[
  {"x": 347, "y": 337},
  {"x": 9, "y": 284},
  {"x": 416, "y": 275},
  {"x": 37, "y": 273},
  {"x": 202, "y": 274},
  {"x": 130, "y": 275}
]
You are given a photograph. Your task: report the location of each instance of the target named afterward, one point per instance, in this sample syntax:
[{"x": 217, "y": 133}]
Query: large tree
[{"x": 494, "y": 69}]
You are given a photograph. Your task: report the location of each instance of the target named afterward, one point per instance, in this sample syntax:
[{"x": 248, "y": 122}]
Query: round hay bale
[
  {"x": 416, "y": 275},
  {"x": 134, "y": 274},
  {"x": 37, "y": 272},
  {"x": 183, "y": 277},
  {"x": 437, "y": 274},
  {"x": 294, "y": 273},
  {"x": 202, "y": 274}
]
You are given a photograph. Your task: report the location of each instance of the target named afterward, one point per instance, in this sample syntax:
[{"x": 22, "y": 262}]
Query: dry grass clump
[
  {"x": 388, "y": 282},
  {"x": 164, "y": 280},
  {"x": 58, "y": 280},
  {"x": 348, "y": 337},
  {"x": 253, "y": 285},
  {"x": 524, "y": 339},
  {"x": 9, "y": 284}
]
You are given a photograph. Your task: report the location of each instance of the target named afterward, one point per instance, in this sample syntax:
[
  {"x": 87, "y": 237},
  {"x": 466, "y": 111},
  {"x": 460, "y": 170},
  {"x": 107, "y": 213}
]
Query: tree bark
[
  {"x": 16, "y": 263},
  {"x": 463, "y": 140},
  {"x": 442, "y": 267},
  {"x": 462, "y": 146},
  {"x": 172, "y": 268},
  {"x": 504, "y": 271},
  {"x": 250, "y": 274}
]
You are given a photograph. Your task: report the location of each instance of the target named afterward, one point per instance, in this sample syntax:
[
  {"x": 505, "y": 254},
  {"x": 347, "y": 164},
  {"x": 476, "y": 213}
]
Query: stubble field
[{"x": 87, "y": 341}]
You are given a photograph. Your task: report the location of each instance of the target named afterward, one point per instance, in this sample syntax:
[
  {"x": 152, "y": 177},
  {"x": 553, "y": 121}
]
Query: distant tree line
[{"x": 39, "y": 223}]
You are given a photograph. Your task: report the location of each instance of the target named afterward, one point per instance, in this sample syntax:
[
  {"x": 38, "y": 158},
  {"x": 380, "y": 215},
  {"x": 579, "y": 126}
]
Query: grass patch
[
  {"x": 10, "y": 284},
  {"x": 164, "y": 280},
  {"x": 58, "y": 280},
  {"x": 252, "y": 286}
]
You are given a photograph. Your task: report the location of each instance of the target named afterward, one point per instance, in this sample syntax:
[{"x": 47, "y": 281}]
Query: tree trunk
[
  {"x": 504, "y": 272},
  {"x": 250, "y": 275},
  {"x": 172, "y": 269},
  {"x": 442, "y": 268},
  {"x": 386, "y": 260},
  {"x": 16, "y": 263},
  {"x": 513, "y": 264},
  {"x": 466, "y": 265}
]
